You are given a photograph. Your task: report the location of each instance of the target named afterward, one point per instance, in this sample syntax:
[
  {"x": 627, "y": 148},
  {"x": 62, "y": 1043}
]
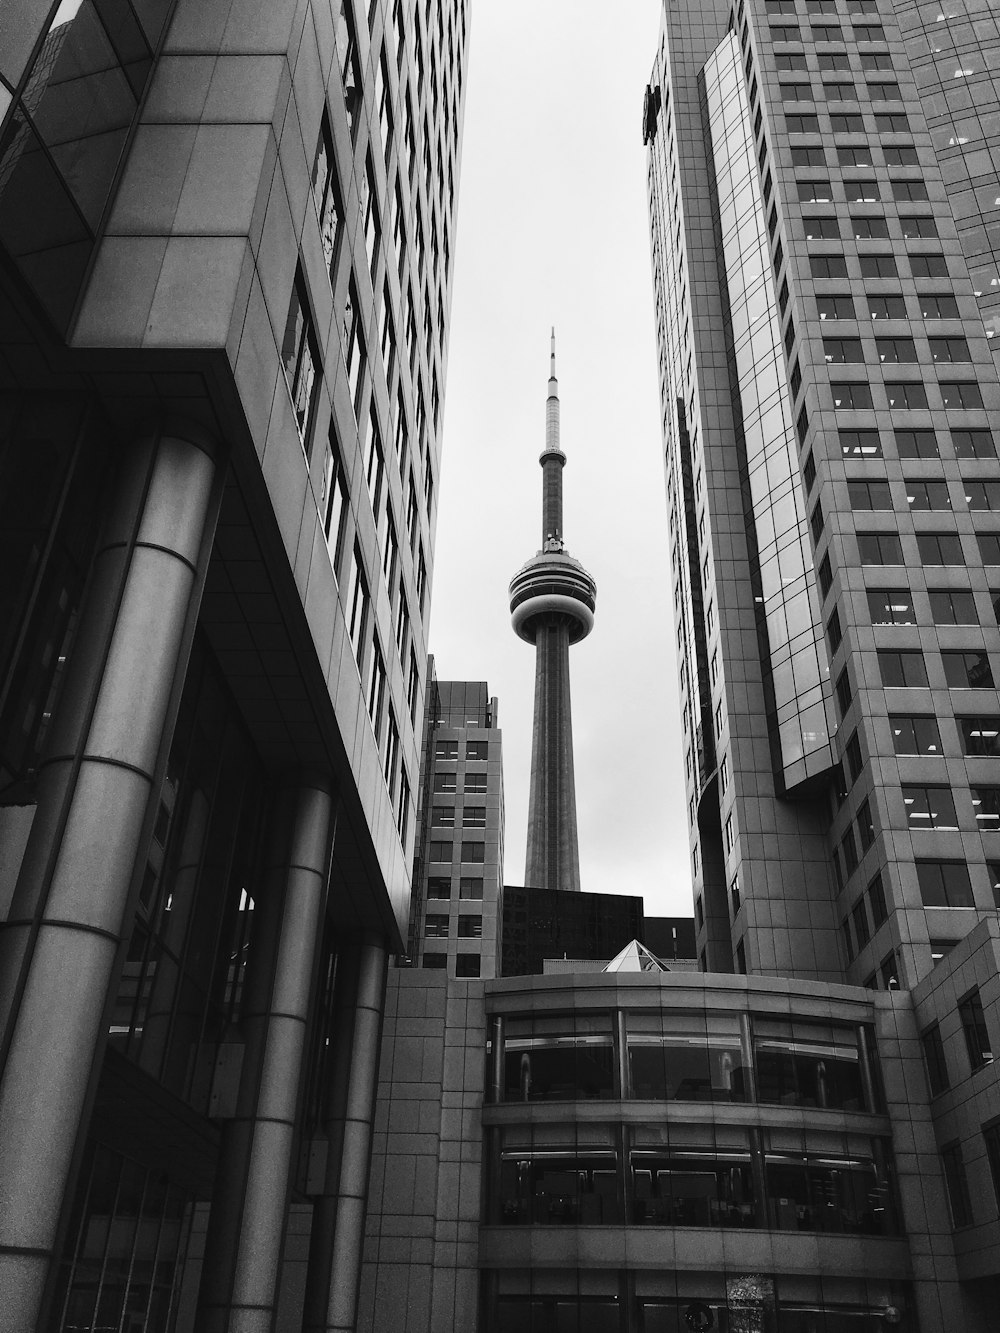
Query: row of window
[
  {"x": 927, "y": 806},
  {"x": 867, "y": 227},
  {"x": 866, "y": 443},
  {"x": 437, "y": 927},
  {"x": 933, "y": 548},
  {"x": 858, "y": 155},
  {"x": 906, "y": 669},
  {"x": 919, "y": 734},
  {"x": 793, "y": 62},
  {"x": 347, "y": 49},
  {"x": 866, "y": 191},
  {"x": 466, "y": 964},
  {"x": 865, "y": 917},
  {"x": 837, "y": 1189},
  {"x": 678, "y": 1056},
  {"x": 448, "y": 782},
  {"x": 895, "y": 350},
  {"x": 978, "y": 1046},
  {"x": 854, "y": 395},
  {"x": 772, "y": 7},
  {"x": 888, "y": 305},
  {"x": 474, "y": 750},
  {"x": 808, "y": 122},
  {"x": 327, "y": 199},
  {"x": 470, "y": 889},
  {"x": 442, "y": 853},
  {"x": 473, "y": 816},
  {"x": 894, "y": 606},
  {"x": 832, "y": 33},
  {"x": 865, "y": 823},
  {"x": 303, "y": 368},
  {"x": 371, "y": 667},
  {"x": 301, "y": 358},
  {"x": 922, "y": 495},
  {"x": 932, "y": 806},
  {"x": 843, "y": 90},
  {"x": 956, "y": 1181}
]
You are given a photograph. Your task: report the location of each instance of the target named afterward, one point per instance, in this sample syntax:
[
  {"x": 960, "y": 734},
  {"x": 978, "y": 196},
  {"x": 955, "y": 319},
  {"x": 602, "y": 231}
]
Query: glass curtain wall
[
  {"x": 688, "y": 1056},
  {"x": 796, "y": 653}
]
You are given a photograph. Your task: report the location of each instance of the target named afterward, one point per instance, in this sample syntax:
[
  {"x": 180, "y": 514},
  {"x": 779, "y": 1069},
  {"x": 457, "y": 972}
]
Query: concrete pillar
[
  {"x": 553, "y": 857},
  {"x": 239, "y": 1289},
  {"x": 69, "y": 910},
  {"x": 338, "y": 1230}
]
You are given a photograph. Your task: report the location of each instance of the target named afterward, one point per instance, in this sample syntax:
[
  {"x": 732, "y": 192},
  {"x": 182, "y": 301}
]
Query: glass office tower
[
  {"x": 831, "y": 473},
  {"x": 226, "y": 238},
  {"x": 822, "y": 181}
]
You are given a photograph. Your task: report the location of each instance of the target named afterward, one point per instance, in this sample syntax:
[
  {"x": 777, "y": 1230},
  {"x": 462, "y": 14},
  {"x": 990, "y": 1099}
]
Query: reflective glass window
[
  {"x": 944, "y": 883},
  {"x": 953, "y": 607},
  {"x": 902, "y": 669},
  {"x": 934, "y": 1059},
  {"x": 917, "y": 734},
  {"x": 127, "y": 1249},
  {"x": 691, "y": 1187},
  {"x": 559, "y": 1058},
  {"x": 929, "y": 807},
  {"x": 179, "y": 1002},
  {"x": 967, "y": 670},
  {"x": 677, "y": 1057},
  {"x": 851, "y": 394},
  {"x": 980, "y": 735},
  {"x": 977, "y": 1038},
  {"x": 940, "y": 548},
  {"x": 905, "y": 393},
  {"x": 559, "y": 1176},
  {"x": 300, "y": 357},
  {"x": 973, "y": 443},
  {"x": 808, "y": 1064},
  {"x": 927, "y": 495},
  {"x": 816, "y": 1191},
  {"x": 891, "y": 606},
  {"x": 860, "y": 443},
  {"x": 879, "y": 548},
  {"x": 959, "y": 1199},
  {"x": 916, "y": 443}
]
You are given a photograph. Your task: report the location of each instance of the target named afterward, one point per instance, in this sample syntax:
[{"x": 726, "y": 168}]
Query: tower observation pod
[{"x": 552, "y": 602}]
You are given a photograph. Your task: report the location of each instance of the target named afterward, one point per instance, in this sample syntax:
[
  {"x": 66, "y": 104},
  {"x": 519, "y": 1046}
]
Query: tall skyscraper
[
  {"x": 458, "y": 855},
  {"x": 552, "y": 600},
  {"x": 821, "y": 203},
  {"x": 823, "y": 206},
  {"x": 226, "y": 233}
]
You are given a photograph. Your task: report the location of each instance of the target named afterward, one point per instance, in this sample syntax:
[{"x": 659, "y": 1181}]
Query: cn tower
[{"x": 552, "y": 601}]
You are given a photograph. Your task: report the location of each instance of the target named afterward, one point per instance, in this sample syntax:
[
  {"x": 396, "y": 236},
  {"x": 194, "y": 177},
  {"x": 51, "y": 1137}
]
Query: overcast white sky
[{"x": 552, "y": 230}]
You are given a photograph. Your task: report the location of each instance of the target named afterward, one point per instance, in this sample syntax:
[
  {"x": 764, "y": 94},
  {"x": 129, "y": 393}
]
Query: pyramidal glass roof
[{"x": 635, "y": 957}]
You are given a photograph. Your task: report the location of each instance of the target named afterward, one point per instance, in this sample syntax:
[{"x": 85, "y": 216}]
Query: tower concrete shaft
[
  {"x": 552, "y": 600},
  {"x": 553, "y": 854}
]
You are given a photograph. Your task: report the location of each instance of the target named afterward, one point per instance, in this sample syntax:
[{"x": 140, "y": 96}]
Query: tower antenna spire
[
  {"x": 552, "y": 445},
  {"x": 552, "y": 600}
]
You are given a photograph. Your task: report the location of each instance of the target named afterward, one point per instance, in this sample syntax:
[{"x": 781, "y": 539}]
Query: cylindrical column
[
  {"x": 553, "y": 857},
  {"x": 239, "y": 1289},
  {"x": 58, "y": 948},
  {"x": 338, "y": 1230},
  {"x": 496, "y": 1058}
]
